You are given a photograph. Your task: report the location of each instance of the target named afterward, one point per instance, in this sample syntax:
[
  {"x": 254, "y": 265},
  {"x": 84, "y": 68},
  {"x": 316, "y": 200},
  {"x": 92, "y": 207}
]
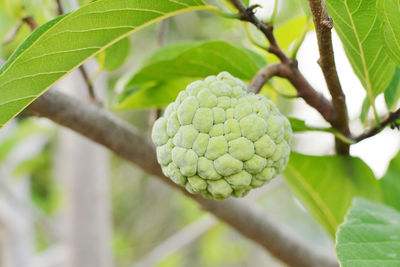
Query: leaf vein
[
  {"x": 16, "y": 99},
  {"x": 61, "y": 52},
  {"x": 32, "y": 75}
]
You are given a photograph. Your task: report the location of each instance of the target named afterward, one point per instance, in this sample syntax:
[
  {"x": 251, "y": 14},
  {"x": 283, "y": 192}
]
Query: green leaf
[
  {"x": 258, "y": 59},
  {"x": 392, "y": 93},
  {"x": 153, "y": 94},
  {"x": 169, "y": 52},
  {"x": 172, "y": 68},
  {"x": 288, "y": 33},
  {"x": 114, "y": 56},
  {"x": 327, "y": 184},
  {"x": 61, "y": 45},
  {"x": 7, "y": 21},
  {"x": 391, "y": 183},
  {"x": 389, "y": 14},
  {"x": 358, "y": 26},
  {"x": 365, "y": 109},
  {"x": 84, "y": 2},
  {"x": 301, "y": 126},
  {"x": 202, "y": 60},
  {"x": 369, "y": 236}
]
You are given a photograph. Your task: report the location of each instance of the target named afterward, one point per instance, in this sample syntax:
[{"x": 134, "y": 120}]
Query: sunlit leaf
[
  {"x": 327, "y": 184},
  {"x": 301, "y": 126},
  {"x": 358, "y": 26},
  {"x": 114, "y": 56},
  {"x": 204, "y": 59},
  {"x": 391, "y": 183},
  {"x": 169, "y": 52},
  {"x": 61, "y": 45},
  {"x": 392, "y": 93},
  {"x": 369, "y": 236},
  {"x": 389, "y": 14},
  {"x": 171, "y": 69},
  {"x": 366, "y": 105},
  {"x": 288, "y": 33},
  {"x": 154, "y": 94}
]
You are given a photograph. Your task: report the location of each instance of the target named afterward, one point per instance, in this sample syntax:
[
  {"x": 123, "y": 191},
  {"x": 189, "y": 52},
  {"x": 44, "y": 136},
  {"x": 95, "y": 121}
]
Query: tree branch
[
  {"x": 125, "y": 141},
  {"x": 323, "y": 25},
  {"x": 287, "y": 69},
  {"x": 390, "y": 120},
  {"x": 247, "y": 14},
  {"x": 262, "y": 77},
  {"x": 304, "y": 89}
]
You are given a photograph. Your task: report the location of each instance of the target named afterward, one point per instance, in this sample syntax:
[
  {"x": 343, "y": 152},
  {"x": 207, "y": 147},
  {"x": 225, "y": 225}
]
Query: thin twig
[
  {"x": 323, "y": 26},
  {"x": 60, "y": 8},
  {"x": 31, "y": 22},
  {"x": 262, "y": 77},
  {"x": 288, "y": 67},
  {"x": 162, "y": 32},
  {"x": 119, "y": 136},
  {"x": 247, "y": 14},
  {"x": 391, "y": 120},
  {"x": 89, "y": 84},
  {"x": 304, "y": 89}
]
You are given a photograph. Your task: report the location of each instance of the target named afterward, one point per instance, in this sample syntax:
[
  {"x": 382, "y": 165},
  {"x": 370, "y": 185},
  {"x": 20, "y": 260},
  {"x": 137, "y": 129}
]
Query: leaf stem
[
  {"x": 274, "y": 13},
  {"x": 391, "y": 119},
  {"x": 252, "y": 40},
  {"x": 288, "y": 67},
  {"x": 377, "y": 119},
  {"x": 300, "y": 40}
]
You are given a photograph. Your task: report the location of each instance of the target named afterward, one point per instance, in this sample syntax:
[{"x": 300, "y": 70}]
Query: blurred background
[{"x": 65, "y": 201}]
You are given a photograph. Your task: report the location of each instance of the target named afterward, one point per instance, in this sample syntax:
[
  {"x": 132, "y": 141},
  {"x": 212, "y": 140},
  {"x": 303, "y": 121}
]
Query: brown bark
[{"x": 124, "y": 140}]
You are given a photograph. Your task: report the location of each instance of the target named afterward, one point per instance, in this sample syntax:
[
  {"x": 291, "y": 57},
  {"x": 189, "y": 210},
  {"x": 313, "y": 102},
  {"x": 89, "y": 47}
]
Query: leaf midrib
[
  {"x": 363, "y": 61},
  {"x": 330, "y": 218},
  {"x": 186, "y": 9}
]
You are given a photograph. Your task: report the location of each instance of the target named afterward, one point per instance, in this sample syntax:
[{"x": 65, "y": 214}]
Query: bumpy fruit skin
[{"x": 217, "y": 140}]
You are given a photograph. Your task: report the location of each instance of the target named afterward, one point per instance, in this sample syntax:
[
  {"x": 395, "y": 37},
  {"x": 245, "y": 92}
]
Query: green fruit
[{"x": 217, "y": 140}]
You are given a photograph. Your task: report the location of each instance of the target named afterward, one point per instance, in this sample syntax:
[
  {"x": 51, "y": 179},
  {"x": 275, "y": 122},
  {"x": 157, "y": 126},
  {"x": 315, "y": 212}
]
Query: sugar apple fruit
[{"x": 217, "y": 140}]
